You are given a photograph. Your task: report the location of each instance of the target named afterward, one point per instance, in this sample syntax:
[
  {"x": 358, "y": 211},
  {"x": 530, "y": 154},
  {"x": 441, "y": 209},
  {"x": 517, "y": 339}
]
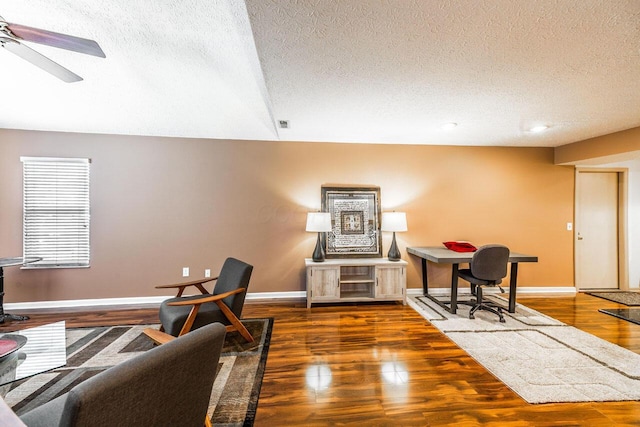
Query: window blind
[{"x": 56, "y": 213}]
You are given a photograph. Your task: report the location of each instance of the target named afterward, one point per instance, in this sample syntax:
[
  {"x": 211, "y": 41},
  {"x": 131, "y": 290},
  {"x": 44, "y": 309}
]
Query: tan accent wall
[
  {"x": 616, "y": 150},
  {"x": 603, "y": 149},
  {"x": 160, "y": 204}
]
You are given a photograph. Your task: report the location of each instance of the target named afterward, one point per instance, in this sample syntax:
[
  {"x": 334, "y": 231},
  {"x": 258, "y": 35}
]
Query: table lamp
[
  {"x": 319, "y": 222},
  {"x": 394, "y": 221}
]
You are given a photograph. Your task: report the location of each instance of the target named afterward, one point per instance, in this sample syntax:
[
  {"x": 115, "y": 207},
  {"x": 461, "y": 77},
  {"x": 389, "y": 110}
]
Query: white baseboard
[
  {"x": 15, "y": 306},
  {"x": 256, "y": 296},
  {"x": 265, "y": 296},
  {"x": 155, "y": 300},
  {"x": 564, "y": 291},
  {"x": 559, "y": 291}
]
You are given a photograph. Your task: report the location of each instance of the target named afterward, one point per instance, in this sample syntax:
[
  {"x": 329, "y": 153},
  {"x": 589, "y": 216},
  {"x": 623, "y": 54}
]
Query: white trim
[
  {"x": 256, "y": 296},
  {"x": 84, "y": 303},
  {"x": 560, "y": 290},
  {"x": 276, "y": 295},
  {"x": 557, "y": 291},
  {"x": 55, "y": 159}
]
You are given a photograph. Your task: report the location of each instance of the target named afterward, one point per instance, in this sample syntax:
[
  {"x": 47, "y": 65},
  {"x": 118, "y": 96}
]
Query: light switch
[{"x": 569, "y": 226}]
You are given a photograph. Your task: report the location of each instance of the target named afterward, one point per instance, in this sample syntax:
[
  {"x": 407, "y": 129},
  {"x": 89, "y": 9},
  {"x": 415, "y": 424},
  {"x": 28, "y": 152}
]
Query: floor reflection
[
  {"x": 318, "y": 377},
  {"x": 395, "y": 373}
]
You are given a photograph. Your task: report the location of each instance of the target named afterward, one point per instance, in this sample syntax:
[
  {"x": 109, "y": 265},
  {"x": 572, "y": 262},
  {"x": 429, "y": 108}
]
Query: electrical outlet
[
  {"x": 569, "y": 226},
  {"x": 185, "y": 271},
  {"x": 207, "y": 273}
]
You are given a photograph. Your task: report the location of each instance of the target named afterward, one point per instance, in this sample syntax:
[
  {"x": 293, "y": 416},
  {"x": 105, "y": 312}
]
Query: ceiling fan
[{"x": 18, "y": 33}]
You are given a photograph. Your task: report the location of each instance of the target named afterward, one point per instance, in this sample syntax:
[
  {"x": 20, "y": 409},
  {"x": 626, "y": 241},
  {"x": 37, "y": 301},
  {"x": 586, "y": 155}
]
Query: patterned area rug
[
  {"x": 622, "y": 297},
  {"x": 234, "y": 398},
  {"x": 540, "y": 358}
]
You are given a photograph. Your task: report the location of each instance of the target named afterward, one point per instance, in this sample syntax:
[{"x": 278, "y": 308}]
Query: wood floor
[{"x": 384, "y": 365}]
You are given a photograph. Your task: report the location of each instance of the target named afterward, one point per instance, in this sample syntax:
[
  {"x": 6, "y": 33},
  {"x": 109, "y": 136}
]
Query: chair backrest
[
  {"x": 233, "y": 275},
  {"x": 168, "y": 385},
  {"x": 489, "y": 262}
]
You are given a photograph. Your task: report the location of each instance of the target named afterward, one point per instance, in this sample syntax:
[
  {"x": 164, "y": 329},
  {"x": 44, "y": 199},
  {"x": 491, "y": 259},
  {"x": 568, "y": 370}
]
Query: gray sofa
[{"x": 169, "y": 385}]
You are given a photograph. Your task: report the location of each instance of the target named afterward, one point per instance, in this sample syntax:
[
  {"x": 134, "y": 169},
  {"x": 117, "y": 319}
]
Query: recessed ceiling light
[
  {"x": 449, "y": 126},
  {"x": 540, "y": 128}
]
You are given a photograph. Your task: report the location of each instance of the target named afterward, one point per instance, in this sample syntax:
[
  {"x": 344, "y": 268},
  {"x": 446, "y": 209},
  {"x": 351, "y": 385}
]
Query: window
[{"x": 56, "y": 211}]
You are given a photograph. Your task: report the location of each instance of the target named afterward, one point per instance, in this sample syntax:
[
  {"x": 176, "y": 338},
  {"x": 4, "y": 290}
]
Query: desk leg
[
  {"x": 425, "y": 280},
  {"x": 512, "y": 287},
  {"x": 454, "y": 288},
  {"x": 1, "y": 294}
]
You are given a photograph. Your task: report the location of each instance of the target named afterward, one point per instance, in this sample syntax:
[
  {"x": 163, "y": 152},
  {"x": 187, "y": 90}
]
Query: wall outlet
[
  {"x": 207, "y": 273},
  {"x": 569, "y": 226},
  {"x": 185, "y": 271}
]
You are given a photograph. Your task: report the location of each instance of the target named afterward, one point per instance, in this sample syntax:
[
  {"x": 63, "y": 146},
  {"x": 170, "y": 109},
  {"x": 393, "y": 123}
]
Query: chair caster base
[{"x": 497, "y": 311}]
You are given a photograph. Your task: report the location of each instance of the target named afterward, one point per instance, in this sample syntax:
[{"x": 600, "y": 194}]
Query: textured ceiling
[{"x": 381, "y": 71}]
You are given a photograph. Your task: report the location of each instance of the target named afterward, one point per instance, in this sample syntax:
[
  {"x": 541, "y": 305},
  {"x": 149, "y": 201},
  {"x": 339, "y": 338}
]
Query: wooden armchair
[{"x": 224, "y": 304}]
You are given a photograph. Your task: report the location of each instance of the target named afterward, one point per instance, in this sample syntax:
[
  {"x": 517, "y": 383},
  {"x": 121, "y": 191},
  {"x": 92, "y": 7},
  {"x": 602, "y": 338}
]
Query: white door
[{"x": 596, "y": 231}]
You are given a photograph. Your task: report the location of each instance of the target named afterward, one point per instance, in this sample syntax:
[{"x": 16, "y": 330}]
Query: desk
[
  {"x": 9, "y": 262},
  {"x": 442, "y": 255}
]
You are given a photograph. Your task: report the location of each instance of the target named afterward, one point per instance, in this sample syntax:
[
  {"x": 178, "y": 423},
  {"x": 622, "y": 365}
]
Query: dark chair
[
  {"x": 224, "y": 304},
  {"x": 169, "y": 385},
  {"x": 488, "y": 267}
]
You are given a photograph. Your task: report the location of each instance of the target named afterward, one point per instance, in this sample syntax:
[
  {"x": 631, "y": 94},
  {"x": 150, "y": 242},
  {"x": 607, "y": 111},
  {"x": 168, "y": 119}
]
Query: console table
[{"x": 356, "y": 280}]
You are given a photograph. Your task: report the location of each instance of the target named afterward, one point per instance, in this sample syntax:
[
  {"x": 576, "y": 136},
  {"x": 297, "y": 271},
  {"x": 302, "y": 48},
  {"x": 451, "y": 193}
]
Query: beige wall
[
  {"x": 620, "y": 150},
  {"x": 609, "y": 148},
  {"x": 160, "y": 204}
]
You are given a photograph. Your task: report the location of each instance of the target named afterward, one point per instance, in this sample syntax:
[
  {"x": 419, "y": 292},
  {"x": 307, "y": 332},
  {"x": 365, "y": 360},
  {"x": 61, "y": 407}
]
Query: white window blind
[{"x": 56, "y": 211}]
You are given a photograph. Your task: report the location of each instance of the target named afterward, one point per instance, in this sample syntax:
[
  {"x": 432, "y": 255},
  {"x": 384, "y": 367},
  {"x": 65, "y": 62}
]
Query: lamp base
[
  {"x": 394, "y": 252},
  {"x": 318, "y": 253}
]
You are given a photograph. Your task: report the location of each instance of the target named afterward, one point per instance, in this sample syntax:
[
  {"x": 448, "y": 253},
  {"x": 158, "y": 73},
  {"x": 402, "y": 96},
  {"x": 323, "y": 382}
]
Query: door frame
[{"x": 623, "y": 268}]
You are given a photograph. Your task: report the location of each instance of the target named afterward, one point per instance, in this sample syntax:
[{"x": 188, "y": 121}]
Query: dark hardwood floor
[{"x": 385, "y": 365}]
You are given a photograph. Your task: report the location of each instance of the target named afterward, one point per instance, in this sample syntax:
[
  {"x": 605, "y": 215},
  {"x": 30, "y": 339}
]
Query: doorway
[{"x": 599, "y": 229}]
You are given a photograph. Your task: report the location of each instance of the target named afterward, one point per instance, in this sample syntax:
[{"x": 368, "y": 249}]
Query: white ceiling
[{"x": 380, "y": 71}]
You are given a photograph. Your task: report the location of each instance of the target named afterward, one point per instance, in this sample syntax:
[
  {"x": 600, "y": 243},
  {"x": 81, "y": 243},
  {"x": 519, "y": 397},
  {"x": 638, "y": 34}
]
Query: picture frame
[{"x": 355, "y": 221}]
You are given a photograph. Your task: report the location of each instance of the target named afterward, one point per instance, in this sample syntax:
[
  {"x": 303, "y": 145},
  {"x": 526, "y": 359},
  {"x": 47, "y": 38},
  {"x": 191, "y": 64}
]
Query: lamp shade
[
  {"x": 394, "y": 221},
  {"x": 318, "y": 221}
]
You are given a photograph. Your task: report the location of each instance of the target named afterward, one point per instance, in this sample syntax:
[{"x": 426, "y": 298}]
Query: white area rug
[{"x": 541, "y": 359}]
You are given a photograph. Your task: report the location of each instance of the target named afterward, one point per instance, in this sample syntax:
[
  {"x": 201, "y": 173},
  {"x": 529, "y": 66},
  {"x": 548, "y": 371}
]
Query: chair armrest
[
  {"x": 212, "y": 298},
  {"x": 158, "y": 336},
  {"x": 181, "y": 286},
  {"x": 196, "y": 303}
]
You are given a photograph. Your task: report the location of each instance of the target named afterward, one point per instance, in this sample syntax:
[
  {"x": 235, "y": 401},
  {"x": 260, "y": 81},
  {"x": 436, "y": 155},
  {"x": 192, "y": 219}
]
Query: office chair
[{"x": 487, "y": 268}]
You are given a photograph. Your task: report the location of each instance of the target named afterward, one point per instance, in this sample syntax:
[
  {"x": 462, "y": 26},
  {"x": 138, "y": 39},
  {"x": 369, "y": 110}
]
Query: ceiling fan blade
[
  {"x": 49, "y": 38},
  {"x": 39, "y": 60}
]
